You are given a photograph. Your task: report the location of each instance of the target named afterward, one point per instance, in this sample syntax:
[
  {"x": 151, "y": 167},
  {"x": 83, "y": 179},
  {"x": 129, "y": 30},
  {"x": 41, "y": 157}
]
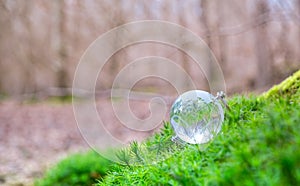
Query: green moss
[
  {"x": 77, "y": 169},
  {"x": 259, "y": 145},
  {"x": 289, "y": 88}
]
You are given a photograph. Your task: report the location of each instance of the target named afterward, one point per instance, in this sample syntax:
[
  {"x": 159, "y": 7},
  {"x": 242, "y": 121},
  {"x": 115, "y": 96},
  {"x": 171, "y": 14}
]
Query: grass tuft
[{"x": 77, "y": 169}]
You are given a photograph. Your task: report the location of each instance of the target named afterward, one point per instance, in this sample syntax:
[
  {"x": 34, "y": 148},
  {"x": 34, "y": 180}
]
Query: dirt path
[{"x": 34, "y": 136}]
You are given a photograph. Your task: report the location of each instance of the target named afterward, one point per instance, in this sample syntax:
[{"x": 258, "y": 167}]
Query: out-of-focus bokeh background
[{"x": 256, "y": 42}]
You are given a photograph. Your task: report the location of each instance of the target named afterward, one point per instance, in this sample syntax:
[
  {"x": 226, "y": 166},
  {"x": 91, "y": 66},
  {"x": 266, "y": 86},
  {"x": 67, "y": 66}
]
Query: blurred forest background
[{"x": 256, "y": 42}]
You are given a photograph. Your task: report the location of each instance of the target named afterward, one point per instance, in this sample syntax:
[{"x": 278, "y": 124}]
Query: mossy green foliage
[
  {"x": 287, "y": 89},
  {"x": 77, "y": 169},
  {"x": 259, "y": 145}
]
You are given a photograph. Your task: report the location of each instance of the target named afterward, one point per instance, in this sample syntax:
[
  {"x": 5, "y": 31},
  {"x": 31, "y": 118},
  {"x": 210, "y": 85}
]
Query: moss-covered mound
[
  {"x": 259, "y": 145},
  {"x": 289, "y": 88}
]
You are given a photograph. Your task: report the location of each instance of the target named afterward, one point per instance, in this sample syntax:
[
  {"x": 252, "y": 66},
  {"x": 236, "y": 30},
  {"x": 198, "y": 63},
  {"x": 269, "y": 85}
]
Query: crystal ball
[{"x": 196, "y": 116}]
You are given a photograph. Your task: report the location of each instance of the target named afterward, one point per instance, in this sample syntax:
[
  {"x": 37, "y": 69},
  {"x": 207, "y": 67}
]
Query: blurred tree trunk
[
  {"x": 284, "y": 51},
  {"x": 29, "y": 84},
  {"x": 262, "y": 50},
  {"x": 298, "y": 53},
  {"x": 185, "y": 59},
  {"x": 4, "y": 29},
  {"x": 204, "y": 4},
  {"x": 115, "y": 63},
  {"x": 222, "y": 39},
  {"x": 62, "y": 51}
]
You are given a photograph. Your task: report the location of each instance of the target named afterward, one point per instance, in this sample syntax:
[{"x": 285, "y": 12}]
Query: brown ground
[
  {"x": 32, "y": 136},
  {"x": 36, "y": 135}
]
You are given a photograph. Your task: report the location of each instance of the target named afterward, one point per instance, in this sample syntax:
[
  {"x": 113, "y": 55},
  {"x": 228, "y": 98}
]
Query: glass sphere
[{"x": 196, "y": 116}]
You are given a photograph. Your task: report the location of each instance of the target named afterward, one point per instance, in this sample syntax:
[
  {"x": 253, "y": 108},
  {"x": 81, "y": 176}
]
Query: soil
[
  {"x": 32, "y": 137},
  {"x": 35, "y": 136}
]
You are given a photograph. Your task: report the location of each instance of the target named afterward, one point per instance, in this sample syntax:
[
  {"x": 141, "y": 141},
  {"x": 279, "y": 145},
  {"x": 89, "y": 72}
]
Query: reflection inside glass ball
[{"x": 196, "y": 116}]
